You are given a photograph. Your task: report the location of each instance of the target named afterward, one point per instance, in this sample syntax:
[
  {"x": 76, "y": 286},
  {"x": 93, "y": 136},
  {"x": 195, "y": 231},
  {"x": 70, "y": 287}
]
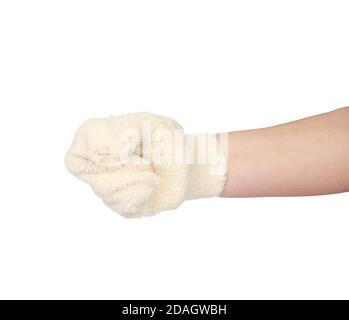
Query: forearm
[{"x": 304, "y": 157}]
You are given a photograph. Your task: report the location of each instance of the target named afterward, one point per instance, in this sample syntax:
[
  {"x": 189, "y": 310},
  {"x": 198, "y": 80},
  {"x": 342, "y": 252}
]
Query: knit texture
[{"x": 134, "y": 178}]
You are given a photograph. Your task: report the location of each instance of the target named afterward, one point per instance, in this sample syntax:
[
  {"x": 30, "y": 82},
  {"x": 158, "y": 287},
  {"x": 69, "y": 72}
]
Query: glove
[{"x": 141, "y": 163}]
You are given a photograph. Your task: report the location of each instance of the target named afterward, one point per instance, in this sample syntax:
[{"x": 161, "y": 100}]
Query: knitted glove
[{"x": 141, "y": 164}]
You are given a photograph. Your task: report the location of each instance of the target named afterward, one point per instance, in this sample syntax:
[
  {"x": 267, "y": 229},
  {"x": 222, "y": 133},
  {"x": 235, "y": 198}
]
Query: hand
[{"x": 118, "y": 158}]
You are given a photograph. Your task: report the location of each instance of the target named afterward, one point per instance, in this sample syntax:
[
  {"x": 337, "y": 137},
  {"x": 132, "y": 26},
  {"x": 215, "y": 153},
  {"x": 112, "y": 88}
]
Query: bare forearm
[{"x": 304, "y": 157}]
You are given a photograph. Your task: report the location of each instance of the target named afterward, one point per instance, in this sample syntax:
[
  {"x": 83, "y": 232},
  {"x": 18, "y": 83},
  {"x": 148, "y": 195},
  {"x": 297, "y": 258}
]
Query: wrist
[{"x": 207, "y": 166}]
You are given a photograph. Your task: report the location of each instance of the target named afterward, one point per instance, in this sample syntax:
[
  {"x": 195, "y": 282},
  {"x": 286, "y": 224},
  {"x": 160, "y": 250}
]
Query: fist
[{"x": 129, "y": 162}]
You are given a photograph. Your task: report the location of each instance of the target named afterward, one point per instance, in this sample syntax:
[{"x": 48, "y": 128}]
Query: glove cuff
[{"x": 208, "y": 166}]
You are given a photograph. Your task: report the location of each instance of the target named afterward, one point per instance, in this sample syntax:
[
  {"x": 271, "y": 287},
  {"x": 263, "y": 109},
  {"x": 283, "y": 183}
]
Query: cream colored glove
[{"x": 141, "y": 164}]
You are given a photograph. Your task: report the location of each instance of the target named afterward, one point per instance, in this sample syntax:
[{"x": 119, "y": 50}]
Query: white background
[{"x": 212, "y": 65}]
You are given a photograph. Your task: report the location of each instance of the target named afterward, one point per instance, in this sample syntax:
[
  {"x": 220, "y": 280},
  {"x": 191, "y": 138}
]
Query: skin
[{"x": 301, "y": 158}]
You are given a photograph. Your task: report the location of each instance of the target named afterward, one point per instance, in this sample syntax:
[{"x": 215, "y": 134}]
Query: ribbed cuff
[{"x": 207, "y": 165}]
